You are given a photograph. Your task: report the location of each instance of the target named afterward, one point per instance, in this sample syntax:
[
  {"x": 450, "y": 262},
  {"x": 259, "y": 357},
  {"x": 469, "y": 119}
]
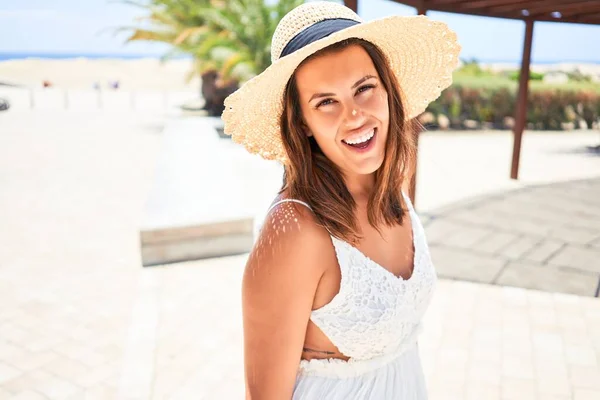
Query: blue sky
[{"x": 84, "y": 26}]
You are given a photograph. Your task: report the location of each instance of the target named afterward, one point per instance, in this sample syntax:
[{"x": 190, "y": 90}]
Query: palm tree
[{"x": 232, "y": 37}]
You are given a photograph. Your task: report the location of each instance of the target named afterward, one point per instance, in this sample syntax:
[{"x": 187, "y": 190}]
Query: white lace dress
[{"x": 375, "y": 319}]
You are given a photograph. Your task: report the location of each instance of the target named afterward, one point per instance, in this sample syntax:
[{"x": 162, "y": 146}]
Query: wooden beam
[
  {"x": 445, "y": 2},
  {"x": 574, "y": 12},
  {"x": 352, "y": 4},
  {"x": 546, "y": 7},
  {"x": 586, "y": 16},
  {"x": 488, "y": 3},
  {"x": 412, "y": 191},
  {"x": 521, "y": 112}
]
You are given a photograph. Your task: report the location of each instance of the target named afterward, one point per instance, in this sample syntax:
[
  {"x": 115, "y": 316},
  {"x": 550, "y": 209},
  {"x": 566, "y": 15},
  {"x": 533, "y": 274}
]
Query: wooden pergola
[{"x": 529, "y": 11}]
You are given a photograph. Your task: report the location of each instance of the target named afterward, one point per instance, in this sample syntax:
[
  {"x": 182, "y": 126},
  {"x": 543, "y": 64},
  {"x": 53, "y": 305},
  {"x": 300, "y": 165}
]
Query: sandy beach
[
  {"x": 149, "y": 73},
  {"x": 584, "y": 68},
  {"x": 83, "y": 73}
]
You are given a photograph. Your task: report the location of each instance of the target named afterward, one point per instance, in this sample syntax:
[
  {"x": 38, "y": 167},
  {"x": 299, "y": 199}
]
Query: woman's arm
[{"x": 278, "y": 289}]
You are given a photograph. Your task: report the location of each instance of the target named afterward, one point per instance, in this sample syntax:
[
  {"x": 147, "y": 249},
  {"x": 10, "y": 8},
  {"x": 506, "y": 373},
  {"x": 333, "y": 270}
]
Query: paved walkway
[
  {"x": 80, "y": 319},
  {"x": 543, "y": 237}
]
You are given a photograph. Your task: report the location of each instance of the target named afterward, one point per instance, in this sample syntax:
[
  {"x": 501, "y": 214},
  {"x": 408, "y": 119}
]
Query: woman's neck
[{"x": 360, "y": 187}]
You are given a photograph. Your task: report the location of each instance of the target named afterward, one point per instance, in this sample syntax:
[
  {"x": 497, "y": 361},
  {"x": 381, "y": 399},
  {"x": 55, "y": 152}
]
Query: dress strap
[
  {"x": 408, "y": 202},
  {"x": 286, "y": 201}
]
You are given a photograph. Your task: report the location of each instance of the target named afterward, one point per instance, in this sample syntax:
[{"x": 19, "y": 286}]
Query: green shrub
[
  {"x": 533, "y": 76},
  {"x": 547, "y": 108}
]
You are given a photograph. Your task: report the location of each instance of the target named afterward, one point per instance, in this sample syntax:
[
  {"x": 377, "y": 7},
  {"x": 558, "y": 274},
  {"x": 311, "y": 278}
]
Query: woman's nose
[{"x": 354, "y": 117}]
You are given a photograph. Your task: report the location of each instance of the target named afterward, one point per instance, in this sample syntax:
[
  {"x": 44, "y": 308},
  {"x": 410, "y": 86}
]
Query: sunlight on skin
[
  {"x": 352, "y": 103},
  {"x": 349, "y": 110},
  {"x": 285, "y": 218}
]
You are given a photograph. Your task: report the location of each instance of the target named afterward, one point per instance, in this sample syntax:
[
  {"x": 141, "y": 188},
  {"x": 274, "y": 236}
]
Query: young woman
[{"x": 340, "y": 276}]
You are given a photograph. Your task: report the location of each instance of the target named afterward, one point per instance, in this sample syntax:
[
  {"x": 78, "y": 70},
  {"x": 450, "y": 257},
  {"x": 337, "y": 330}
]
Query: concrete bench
[{"x": 206, "y": 193}]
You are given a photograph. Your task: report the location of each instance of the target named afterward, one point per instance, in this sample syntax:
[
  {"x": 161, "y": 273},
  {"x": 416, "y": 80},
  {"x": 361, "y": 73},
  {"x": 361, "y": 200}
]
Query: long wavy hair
[{"x": 311, "y": 176}]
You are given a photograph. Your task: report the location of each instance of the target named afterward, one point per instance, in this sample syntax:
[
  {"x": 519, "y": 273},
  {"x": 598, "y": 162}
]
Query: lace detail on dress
[
  {"x": 376, "y": 313},
  {"x": 376, "y": 316}
]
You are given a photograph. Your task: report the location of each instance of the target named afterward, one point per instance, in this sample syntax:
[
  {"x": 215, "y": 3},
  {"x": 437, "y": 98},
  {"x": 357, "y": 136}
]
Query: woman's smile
[{"x": 361, "y": 143}]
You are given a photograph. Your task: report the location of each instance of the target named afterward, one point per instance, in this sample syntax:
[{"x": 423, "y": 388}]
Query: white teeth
[{"x": 362, "y": 138}]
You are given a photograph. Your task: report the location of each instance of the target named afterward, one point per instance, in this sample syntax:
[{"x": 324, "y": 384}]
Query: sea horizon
[{"x": 7, "y": 56}]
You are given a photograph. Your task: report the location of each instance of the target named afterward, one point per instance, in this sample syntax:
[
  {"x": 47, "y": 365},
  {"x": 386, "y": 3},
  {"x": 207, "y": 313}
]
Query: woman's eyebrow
[{"x": 358, "y": 82}]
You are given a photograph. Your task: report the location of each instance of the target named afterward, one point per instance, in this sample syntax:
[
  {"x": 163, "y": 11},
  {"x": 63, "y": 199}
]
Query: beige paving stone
[
  {"x": 28, "y": 361},
  {"x": 544, "y": 250},
  {"x": 440, "y": 387},
  {"x": 32, "y": 380},
  {"x": 66, "y": 368},
  {"x": 518, "y": 248},
  {"x": 96, "y": 393},
  {"x": 551, "y": 369},
  {"x": 466, "y": 237},
  {"x": 97, "y": 375},
  {"x": 576, "y": 235},
  {"x": 87, "y": 296},
  {"x": 554, "y": 386},
  {"x": 16, "y": 335},
  {"x": 517, "y": 366},
  {"x": 484, "y": 353},
  {"x": 43, "y": 343},
  {"x": 585, "y": 377},
  {"x": 532, "y": 276},
  {"x": 4, "y": 395},
  {"x": 10, "y": 351},
  {"x": 7, "y": 373},
  {"x": 477, "y": 391},
  {"x": 29, "y": 395},
  {"x": 548, "y": 345},
  {"x": 57, "y": 388},
  {"x": 543, "y": 319},
  {"x": 71, "y": 349},
  {"x": 462, "y": 264},
  {"x": 517, "y": 389},
  {"x": 484, "y": 372},
  {"x": 583, "y": 356},
  {"x": 514, "y": 296},
  {"x": 585, "y": 394},
  {"x": 578, "y": 257}
]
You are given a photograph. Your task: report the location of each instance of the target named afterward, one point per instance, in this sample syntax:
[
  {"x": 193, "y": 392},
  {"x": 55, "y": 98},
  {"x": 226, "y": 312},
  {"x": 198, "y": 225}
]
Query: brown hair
[{"x": 311, "y": 176}]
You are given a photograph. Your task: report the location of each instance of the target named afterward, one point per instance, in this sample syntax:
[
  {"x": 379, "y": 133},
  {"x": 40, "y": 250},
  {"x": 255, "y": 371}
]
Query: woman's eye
[
  {"x": 360, "y": 90},
  {"x": 364, "y": 88},
  {"x": 324, "y": 103}
]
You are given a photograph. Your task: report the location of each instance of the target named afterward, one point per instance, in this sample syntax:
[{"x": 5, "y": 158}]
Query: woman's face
[{"x": 345, "y": 108}]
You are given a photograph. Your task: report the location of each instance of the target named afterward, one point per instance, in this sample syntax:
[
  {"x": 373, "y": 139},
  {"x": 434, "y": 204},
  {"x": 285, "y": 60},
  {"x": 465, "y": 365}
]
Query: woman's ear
[{"x": 305, "y": 128}]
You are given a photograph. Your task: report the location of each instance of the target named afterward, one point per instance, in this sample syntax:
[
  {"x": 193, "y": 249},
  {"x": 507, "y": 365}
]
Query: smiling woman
[
  {"x": 347, "y": 129},
  {"x": 340, "y": 277}
]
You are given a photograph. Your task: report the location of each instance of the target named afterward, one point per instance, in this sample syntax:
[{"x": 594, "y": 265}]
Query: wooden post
[
  {"x": 521, "y": 111},
  {"x": 352, "y": 4},
  {"x": 412, "y": 193}
]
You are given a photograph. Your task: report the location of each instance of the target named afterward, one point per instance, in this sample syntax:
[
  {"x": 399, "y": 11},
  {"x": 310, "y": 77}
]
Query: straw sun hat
[{"x": 422, "y": 53}]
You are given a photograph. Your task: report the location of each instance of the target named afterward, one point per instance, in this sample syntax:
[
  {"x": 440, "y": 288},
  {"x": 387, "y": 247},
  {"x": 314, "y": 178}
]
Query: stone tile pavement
[
  {"x": 80, "y": 319},
  {"x": 544, "y": 237}
]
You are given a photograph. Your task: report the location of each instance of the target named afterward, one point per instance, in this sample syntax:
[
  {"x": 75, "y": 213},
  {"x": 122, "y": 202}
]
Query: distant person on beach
[
  {"x": 214, "y": 92},
  {"x": 340, "y": 276}
]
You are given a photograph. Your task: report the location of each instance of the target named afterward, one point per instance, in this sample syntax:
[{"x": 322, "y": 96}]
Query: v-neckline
[{"x": 379, "y": 266}]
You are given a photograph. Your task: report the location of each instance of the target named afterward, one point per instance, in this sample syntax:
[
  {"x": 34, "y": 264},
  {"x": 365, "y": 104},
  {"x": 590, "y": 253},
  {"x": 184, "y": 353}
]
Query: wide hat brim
[{"x": 421, "y": 52}]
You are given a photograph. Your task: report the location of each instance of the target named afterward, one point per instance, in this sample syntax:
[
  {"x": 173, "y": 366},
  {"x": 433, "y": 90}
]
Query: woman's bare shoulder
[
  {"x": 278, "y": 289},
  {"x": 291, "y": 231}
]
